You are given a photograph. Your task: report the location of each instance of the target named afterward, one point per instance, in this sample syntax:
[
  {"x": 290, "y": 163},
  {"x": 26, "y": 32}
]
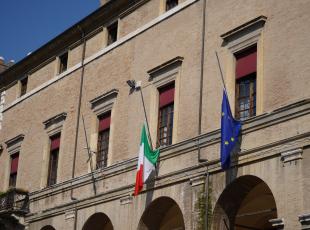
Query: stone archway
[
  {"x": 98, "y": 221},
  {"x": 246, "y": 203},
  {"x": 162, "y": 214},
  {"x": 48, "y": 227}
]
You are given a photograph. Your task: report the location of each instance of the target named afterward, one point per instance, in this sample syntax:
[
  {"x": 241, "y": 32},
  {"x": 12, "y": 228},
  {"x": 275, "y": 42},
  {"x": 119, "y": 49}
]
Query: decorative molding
[
  {"x": 165, "y": 67},
  {"x": 197, "y": 181},
  {"x": 14, "y": 144},
  {"x": 54, "y": 125},
  {"x": 126, "y": 200},
  {"x": 291, "y": 155},
  {"x": 104, "y": 102},
  {"x": 278, "y": 223},
  {"x": 56, "y": 119},
  {"x": 70, "y": 215},
  {"x": 304, "y": 220},
  {"x": 249, "y": 27}
]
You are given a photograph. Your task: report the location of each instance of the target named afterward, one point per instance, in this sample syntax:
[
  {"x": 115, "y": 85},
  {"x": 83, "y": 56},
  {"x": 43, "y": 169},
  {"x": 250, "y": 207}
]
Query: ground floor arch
[
  {"x": 246, "y": 203},
  {"x": 162, "y": 214},
  {"x": 98, "y": 221},
  {"x": 48, "y": 227}
]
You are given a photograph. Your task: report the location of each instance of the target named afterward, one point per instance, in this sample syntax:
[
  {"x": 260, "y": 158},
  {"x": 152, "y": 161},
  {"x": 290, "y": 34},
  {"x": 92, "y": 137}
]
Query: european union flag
[{"x": 230, "y": 129}]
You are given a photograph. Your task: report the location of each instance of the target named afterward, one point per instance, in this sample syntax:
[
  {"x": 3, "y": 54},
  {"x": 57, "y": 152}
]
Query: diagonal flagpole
[
  {"x": 219, "y": 65},
  {"x": 147, "y": 123}
]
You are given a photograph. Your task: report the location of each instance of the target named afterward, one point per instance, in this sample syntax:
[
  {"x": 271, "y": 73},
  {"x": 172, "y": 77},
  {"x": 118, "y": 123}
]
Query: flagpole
[
  {"x": 147, "y": 123},
  {"x": 90, "y": 158},
  {"x": 219, "y": 64}
]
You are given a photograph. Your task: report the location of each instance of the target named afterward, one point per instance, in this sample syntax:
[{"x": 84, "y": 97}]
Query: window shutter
[
  {"x": 104, "y": 122},
  {"x": 246, "y": 62},
  {"x": 166, "y": 95},
  {"x": 14, "y": 163},
  {"x": 55, "y": 142}
]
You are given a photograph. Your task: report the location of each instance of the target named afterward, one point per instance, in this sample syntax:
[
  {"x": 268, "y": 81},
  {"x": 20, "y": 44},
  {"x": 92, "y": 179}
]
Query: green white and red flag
[{"x": 146, "y": 162}]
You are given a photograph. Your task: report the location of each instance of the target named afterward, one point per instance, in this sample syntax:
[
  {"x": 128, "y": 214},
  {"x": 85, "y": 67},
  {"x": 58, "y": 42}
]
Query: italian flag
[{"x": 146, "y": 162}]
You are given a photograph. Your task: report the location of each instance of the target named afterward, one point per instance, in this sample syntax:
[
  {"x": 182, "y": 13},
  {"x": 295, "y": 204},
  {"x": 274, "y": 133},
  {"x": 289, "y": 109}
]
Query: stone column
[
  {"x": 198, "y": 202},
  {"x": 304, "y": 220},
  {"x": 70, "y": 219},
  {"x": 278, "y": 223}
]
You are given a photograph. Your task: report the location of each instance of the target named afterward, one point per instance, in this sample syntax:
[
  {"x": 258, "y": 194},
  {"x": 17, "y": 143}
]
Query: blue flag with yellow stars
[{"x": 230, "y": 129}]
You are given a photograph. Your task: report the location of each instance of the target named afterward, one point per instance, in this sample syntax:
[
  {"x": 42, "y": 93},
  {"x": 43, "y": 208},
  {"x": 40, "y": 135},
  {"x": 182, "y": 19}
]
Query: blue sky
[{"x": 26, "y": 25}]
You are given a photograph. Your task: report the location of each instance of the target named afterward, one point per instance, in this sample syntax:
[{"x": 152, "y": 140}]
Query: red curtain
[
  {"x": 166, "y": 95},
  {"x": 246, "y": 62},
  {"x": 104, "y": 122},
  {"x": 14, "y": 163},
  {"x": 55, "y": 142}
]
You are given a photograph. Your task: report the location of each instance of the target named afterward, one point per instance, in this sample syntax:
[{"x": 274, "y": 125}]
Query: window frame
[
  {"x": 236, "y": 40},
  {"x": 168, "y": 109},
  {"x": 61, "y": 67},
  {"x": 109, "y": 28},
  {"x": 14, "y": 174},
  {"x": 23, "y": 86},
  {"x": 172, "y": 5},
  {"x": 13, "y": 147},
  {"x": 52, "y": 174},
  {"x": 104, "y": 133},
  {"x": 162, "y": 75},
  {"x": 53, "y": 127}
]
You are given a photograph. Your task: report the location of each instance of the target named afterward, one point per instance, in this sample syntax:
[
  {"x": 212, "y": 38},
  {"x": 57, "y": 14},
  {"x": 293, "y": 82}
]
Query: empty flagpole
[{"x": 219, "y": 64}]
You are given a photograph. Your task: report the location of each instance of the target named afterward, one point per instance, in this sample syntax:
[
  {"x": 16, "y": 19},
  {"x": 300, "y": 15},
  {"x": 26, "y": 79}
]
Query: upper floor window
[
  {"x": 112, "y": 33},
  {"x": 171, "y": 4},
  {"x": 103, "y": 140},
  {"x": 13, "y": 170},
  {"x": 165, "y": 115},
  {"x": 53, "y": 162},
  {"x": 246, "y": 65},
  {"x": 23, "y": 86},
  {"x": 63, "y": 62}
]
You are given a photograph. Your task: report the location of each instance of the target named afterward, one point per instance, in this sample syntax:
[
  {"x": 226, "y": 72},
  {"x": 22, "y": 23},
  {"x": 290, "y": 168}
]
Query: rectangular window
[
  {"x": 103, "y": 140},
  {"x": 23, "y": 86},
  {"x": 112, "y": 33},
  {"x": 63, "y": 62},
  {"x": 171, "y": 4},
  {"x": 53, "y": 163},
  {"x": 13, "y": 170},
  {"x": 246, "y": 64},
  {"x": 165, "y": 115}
]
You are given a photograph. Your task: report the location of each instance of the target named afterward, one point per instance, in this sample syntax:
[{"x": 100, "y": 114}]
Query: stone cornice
[
  {"x": 250, "y": 25},
  {"x": 14, "y": 140},
  {"x": 56, "y": 118}
]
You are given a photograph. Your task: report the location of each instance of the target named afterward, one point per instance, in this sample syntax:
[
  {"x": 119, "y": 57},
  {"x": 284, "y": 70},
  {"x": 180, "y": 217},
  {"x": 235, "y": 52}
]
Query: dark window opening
[
  {"x": 63, "y": 62},
  {"x": 165, "y": 115},
  {"x": 246, "y": 62},
  {"x": 23, "y": 86},
  {"x": 171, "y": 4},
  {"x": 13, "y": 170},
  {"x": 53, "y": 163},
  {"x": 103, "y": 140},
  {"x": 112, "y": 33}
]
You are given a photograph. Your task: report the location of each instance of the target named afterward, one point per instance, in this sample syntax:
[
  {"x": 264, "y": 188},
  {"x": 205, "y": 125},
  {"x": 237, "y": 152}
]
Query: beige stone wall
[
  {"x": 42, "y": 75},
  {"x": 95, "y": 43},
  {"x": 139, "y": 17},
  {"x": 11, "y": 93},
  {"x": 284, "y": 46}
]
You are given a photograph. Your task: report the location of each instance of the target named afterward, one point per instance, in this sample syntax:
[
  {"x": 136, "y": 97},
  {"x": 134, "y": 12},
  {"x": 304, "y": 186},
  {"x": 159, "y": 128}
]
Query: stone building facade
[{"x": 70, "y": 125}]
